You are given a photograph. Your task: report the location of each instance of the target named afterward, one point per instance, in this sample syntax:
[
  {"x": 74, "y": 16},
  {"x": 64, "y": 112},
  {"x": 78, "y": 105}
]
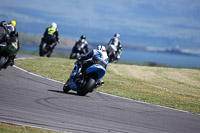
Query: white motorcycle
[{"x": 113, "y": 53}]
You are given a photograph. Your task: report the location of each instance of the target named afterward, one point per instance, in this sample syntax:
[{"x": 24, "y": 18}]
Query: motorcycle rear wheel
[
  {"x": 88, "y": 87},
  {"x": 74, "y": 55}
]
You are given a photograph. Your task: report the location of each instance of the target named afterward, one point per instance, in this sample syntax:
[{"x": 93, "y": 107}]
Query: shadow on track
[{"x": 70, "y": 93}]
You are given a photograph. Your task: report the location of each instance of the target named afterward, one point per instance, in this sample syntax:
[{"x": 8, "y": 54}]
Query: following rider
[
  {"x": 9, "y": 29},
  {"x": 52, "y": 34},
  {"x": 116, "y": 42},
  {"x": 10, "y": 32},
  {"x": 83, "y": 44}
]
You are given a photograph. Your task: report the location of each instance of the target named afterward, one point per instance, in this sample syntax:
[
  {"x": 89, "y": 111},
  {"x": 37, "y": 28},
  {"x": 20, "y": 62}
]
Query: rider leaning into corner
[
  {"x": 83, "y": 44},
  {"x": 116, "y": 42},
  {"x": 96, "y": 56},
  {"x": 10, "y": 32},
  {"x": 52, "y": 33}
]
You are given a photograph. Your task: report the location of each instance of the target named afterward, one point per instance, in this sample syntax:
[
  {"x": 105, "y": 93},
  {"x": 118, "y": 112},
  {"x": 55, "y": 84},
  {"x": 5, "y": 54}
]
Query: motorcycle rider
[
  {"x": 83, "y": 44},
  {"x": 52, "y": 34},
  {"x": 96, "y": 56},
  {"x": 10, "y": 32},
  {"x": 116, "y": 43},
  {"x": 9, "y": 28}
]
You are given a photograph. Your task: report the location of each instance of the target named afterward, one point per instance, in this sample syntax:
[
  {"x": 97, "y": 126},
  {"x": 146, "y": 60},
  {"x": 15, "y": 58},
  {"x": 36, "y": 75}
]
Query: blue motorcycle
[
  {"x": 76, "y": 52},
  {"x": 85, "y": 82}
]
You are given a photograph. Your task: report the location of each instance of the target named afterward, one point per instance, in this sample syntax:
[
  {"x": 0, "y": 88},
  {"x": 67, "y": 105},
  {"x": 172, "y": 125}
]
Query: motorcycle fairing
[
  {"x": 112, "y": 48},
  {"x": 9, "y": 49},
  {"x": 100, "y": 70},
  {"x": 73, "y": 85},
  {"x": 77, "y": 49}
]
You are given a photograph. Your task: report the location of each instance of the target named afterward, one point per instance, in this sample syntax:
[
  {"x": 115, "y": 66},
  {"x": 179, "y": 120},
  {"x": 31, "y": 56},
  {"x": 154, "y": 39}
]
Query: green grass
[
  {"x": 177, "y": 88},
  {"x": 36, "y": 53},
  {"x": 9, "y": 128}
]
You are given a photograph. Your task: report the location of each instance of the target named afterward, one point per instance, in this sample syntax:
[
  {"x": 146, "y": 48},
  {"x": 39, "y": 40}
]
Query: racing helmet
[
  {"x": 117, "y": 35},
  {"x": 101, "y": 48},
  {"x": 13, "y": 22},
  {"x": 54, "y": 25},
  {"x": 83, "y": 37}
]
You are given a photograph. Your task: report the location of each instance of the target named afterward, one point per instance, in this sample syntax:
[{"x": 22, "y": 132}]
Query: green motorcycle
[{"x": 8, "y": 50}]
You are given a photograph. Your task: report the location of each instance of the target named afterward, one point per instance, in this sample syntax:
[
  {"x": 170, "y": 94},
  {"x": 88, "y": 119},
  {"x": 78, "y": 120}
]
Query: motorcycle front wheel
[
  {"x": 49, "y": 54},
  {"x": 2, "y": 61},
  {"x": 42, "y": 49},
  {"x": 66, "y": 87}
]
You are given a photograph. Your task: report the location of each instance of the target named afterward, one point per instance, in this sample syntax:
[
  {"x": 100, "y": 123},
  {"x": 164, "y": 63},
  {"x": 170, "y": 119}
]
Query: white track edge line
[{"x": 37, "y": 75}]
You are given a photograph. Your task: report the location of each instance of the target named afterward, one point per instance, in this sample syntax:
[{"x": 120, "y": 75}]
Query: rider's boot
[
  {"x": 7, "y": 63},
  {"x": 12, "y": 60}
]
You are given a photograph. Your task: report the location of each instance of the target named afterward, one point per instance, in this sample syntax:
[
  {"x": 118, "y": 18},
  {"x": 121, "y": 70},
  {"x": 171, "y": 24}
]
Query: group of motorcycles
[
  {"x": 82, "y": 83},
  {"x": 90, "y": 80},
  {"x": 7, "y": 48},
  {"x": 113, "y": 53}
]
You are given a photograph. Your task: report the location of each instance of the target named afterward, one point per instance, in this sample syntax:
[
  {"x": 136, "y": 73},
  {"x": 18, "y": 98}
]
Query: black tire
[
  {"x": 2, "y": 61},
  {"x": 111, "y": 58},
  {"x": 41, "y": 53},
  {"x": 73, "y": 56},
  {"x": 89, "y": 86},
  {"x": 49, "y": 54},
  {"x": 66, "y": 87},
  {"x": 42, "y": 49}
]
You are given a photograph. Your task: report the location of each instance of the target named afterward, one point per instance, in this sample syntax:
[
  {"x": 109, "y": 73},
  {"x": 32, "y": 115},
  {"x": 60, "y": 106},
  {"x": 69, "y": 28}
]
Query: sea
[
  {"x": 170, "y": 59},
  {"x": 139, "y": 56}
]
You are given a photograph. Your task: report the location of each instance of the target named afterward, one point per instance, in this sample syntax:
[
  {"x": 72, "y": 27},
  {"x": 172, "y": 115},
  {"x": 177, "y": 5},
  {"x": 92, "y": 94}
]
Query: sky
[{"x": 156, "y": 23}]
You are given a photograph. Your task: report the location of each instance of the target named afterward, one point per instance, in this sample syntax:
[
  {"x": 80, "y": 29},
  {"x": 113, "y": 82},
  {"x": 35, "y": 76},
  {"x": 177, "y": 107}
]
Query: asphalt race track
[{"x": 26, "y": 99}]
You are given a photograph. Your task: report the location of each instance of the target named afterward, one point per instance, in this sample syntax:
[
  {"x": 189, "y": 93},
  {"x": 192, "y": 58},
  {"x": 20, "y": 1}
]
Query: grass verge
[
  {"x": 177, "y": 88},
  {"x": 36, "y": 53},
  {"x": 10, "y": 128}
]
